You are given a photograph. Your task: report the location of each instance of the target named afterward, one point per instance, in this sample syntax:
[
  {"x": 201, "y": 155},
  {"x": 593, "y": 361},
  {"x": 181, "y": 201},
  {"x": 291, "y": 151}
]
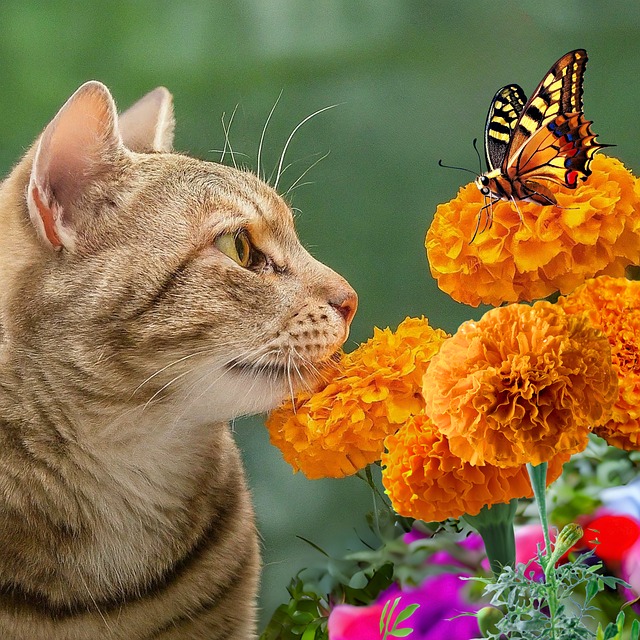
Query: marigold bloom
[
  {"x": 520, "y": 385},
  {"x": 613, "y": 305},
  {"x": 341, "y": 428},
  {"x": 594, "y": 229},
  {"x": 425, "y": 480}
]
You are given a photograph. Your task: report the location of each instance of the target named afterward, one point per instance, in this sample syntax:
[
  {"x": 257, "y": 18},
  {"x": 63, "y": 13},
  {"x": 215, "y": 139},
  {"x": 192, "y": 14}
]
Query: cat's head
[{"x": 136, "y": 273}]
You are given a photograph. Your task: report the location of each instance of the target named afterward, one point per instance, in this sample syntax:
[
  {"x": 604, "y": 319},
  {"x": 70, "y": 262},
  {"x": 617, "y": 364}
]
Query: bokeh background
[{"x": 412, "y": 81}]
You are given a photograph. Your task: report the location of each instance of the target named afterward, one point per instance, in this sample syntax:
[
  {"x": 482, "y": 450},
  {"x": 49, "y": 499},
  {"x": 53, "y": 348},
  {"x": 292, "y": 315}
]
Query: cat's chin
[{"x": 242, "y": 391}]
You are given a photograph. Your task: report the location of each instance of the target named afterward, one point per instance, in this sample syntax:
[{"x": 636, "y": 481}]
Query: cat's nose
[{"x": 345, "y": 302}]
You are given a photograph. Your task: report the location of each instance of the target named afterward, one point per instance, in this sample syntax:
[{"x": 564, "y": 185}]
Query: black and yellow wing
[
  {"x": 558, "y": 94},
  {"x": 545, "y": 138},
  {"x": 504, "y": 112}
]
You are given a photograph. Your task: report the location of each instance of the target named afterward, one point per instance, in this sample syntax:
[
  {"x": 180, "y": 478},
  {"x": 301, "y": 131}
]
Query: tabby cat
[{"x": 146, "y": 299}]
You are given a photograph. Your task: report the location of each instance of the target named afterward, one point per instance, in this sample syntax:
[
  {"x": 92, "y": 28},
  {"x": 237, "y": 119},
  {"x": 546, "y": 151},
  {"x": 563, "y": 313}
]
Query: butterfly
[{"x": 544, "y": 138}]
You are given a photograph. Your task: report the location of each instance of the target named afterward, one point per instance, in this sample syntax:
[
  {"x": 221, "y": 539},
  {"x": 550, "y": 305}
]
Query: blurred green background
[{"x": 412, "y": 80}]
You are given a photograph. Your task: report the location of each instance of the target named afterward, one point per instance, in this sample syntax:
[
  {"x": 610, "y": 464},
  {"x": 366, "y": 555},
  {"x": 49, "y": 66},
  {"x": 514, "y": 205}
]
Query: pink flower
[
  {"x": 347, "y": 622},
  {"x": 528, "y": 538},
  {"x": 442, "y": 598}
]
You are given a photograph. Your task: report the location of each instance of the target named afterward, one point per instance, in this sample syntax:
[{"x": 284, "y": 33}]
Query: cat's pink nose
[{"x": 345, "y": 303}]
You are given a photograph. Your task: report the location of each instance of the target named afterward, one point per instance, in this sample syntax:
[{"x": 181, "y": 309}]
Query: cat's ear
[
  {"x": 148, "y": 124},
  {"x": 77, "y": 148}
]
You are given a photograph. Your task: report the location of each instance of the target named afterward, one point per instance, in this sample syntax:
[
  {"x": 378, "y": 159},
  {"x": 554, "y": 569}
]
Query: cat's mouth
[
  {"x": 297, "y": 369},
  {"x": 268, "y": 369}
]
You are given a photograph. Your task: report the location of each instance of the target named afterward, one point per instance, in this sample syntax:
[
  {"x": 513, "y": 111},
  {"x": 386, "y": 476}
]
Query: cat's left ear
[
  {"x": 80, "y": 148},
  {"x": 148, "y": 125}
]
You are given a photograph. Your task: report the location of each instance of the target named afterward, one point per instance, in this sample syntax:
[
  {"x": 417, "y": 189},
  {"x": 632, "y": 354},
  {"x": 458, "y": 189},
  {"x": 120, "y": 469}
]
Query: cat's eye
[{"x": 236, "y": 246}]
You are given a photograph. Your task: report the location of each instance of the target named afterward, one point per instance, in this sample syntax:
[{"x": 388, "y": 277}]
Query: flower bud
[
  {"x": 488, "y": 618},
  {"x": 565, "y": 540}
]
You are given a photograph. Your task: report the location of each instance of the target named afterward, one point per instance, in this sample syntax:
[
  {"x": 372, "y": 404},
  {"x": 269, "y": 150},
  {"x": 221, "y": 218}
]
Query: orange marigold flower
[
  {"x": 426, "y": 481},
  {"x": 593, "y": 230},
  {"x": 341, "y": 428},
  {"x": 521, "y": 385},
  {"x": 613, "y": 305}
]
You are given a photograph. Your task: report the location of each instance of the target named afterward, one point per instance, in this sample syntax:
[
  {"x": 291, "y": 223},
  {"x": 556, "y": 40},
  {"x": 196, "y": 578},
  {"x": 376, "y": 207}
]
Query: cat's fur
[{"x": 127, "y": 341}]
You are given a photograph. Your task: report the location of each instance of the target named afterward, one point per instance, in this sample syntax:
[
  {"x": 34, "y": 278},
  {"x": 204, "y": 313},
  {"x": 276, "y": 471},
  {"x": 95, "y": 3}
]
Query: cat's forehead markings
[{"x": 260, "y": 211}]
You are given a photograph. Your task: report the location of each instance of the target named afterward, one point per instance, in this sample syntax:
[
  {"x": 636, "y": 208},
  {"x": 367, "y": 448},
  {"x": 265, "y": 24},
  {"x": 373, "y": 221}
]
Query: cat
[{"x": 147, "y": 298}]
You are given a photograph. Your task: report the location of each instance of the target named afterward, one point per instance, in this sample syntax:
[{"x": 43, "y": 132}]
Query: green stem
[
  {"x": 538, "y": 476},
  {"x": 495, "y": 525}
]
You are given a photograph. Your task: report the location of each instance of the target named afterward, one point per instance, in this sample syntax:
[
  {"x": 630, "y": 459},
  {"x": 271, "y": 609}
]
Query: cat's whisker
[
  {"x": 236, "y": 153},
  {"x": 290, "y": 138},
  {"x": 163, "y": 388},
  {"x": 311, "y": 371},
  {"x": 298, "y": 161},
  {"x": 297, "y": 184},
  {"x": 210, "y": 349},
  {"x": 261, "y": 173},
  {"x": 226, "y": 368},
  {"x": 320, "y": 372},
  {"x": 197, "y": 382},
  {"x": 168, "y": 366},
  {"x": 264, "y": 372},
  {"x": 304, "y": 363},
  {"x": 289, "y": 380},
  {"x": 227, "y": 142},
  {"x": 316, "y": 374}
]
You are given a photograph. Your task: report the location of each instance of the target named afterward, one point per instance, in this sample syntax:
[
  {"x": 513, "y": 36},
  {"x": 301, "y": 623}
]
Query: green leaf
[
  {"x": 310, "y": 632},
  {"x": 359, "y": 580},
  {"x": 635, "y": 630},
  {"x": 406, "y": 613},
  {"x": 592, "y": 589},
  {"x": 400, "y": 633},
  {"x": 383, "y": 615},
  {"x": 314, "y": 545},
  {"x": 303, "y": 617},
  {"x": 610, "y": 632}
]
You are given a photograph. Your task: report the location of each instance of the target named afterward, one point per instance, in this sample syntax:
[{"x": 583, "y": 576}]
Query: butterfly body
[{"x": 544, "y": 138}]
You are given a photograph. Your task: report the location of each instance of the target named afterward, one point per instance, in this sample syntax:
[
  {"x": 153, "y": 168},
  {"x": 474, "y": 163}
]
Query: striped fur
[{"x": 128, "y": 341}]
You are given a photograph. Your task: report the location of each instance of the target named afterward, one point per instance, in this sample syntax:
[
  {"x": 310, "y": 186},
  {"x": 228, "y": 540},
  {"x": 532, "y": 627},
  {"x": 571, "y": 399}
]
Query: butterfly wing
[
  {"x": 558, "y": 94},
  {"x": 560, "y": 152},
  {"x": 505, "y": 109}
]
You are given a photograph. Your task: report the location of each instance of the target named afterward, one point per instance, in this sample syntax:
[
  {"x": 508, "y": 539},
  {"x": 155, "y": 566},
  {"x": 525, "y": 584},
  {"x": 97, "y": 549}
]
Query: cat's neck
[
  {"x": 147, "y": 438},
  {"x": 126, "y": 472}
]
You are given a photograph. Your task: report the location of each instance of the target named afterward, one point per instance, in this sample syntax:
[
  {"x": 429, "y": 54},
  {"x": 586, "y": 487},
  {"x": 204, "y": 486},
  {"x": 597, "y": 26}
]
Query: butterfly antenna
[
  {"x": 489, "y": 219},
  {"x": 475, "y": 146},
  {"x": 448, "y": 166}
]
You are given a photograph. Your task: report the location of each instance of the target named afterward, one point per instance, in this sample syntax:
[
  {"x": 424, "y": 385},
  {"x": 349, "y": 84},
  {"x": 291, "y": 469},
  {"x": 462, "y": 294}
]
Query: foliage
[
  {"x": 305, "y": 616},
  {"x": 390, "y": 629},
  {"x": 584, "y": 595},
  {"x": 614, "y": 630},
  {"x": 525, "y": 602},
  {"x": 302, "y": 618},
  {"x": 360, "y": 577}
]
